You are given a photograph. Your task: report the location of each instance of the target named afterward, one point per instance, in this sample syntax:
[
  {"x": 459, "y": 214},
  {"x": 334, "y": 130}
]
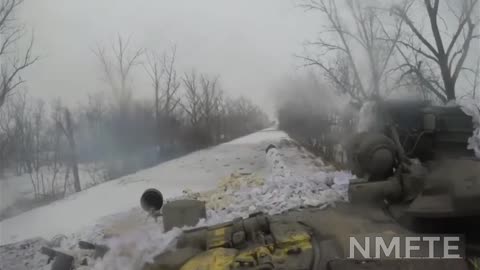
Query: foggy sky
[{"x": 249, "y": 43}]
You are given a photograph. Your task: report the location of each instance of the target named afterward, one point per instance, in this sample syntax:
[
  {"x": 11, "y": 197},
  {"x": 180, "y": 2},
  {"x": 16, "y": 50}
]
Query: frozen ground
[
  {"x": 19, "y": 188},
  {"x": 198, "y": 171},
  {"x": 235, "y": 179}
]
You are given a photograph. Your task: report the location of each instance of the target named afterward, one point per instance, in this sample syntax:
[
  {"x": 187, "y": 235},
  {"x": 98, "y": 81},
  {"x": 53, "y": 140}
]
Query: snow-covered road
[
  {"x": 198, "y": 171},
  {"x": 234, "y": 179}
]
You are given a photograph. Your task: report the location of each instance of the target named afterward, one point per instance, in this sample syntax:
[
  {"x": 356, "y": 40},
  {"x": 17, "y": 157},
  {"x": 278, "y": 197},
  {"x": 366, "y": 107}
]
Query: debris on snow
[
  {"x": 220, "y": 198},
  {"x": 23, "y": 255},
  {"x": 283, "y": 190}
]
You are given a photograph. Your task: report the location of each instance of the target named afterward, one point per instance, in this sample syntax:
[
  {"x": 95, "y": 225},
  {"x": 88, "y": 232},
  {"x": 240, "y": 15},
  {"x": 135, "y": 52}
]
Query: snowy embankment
[
  {"x": 199, "y": 171},
  {"x": 19, "y": 189},
  {"x": 235, "y": 179}
]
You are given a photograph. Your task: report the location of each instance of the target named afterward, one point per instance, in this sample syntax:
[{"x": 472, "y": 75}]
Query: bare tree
[
  {"x": 209, "y": 98},
  {"x": 242, "y": 117},
  {"x": 193, "y": 101},
  {"x": 32, "y": 132},
  {"x": 69, "y": 133},
  {"x": 437, "y": 56},
  {"x": 155, "y": 71},
  {"x": 18, "y": 128},
  {"x": 117, "y": 68},
  {"x": 202, "y": 104},
  {"x": 7, "y": 137},
  {"x": 66, "y": 125},
  {"x": 171, "y": 84},
  {"x": 94, "y": 122},
  {"x": 11, "y": 62},
  {"x": 368, "y": 35},
  {"x": 163, "y": 76},
  {"x": 29, "y": 147},
  {"x": 54, "y": 142}
]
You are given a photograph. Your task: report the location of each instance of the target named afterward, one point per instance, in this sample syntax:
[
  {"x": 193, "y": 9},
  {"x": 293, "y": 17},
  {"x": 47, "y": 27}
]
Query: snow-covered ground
[
  {"x": 235, "y": 179},
  {"x": 198, "y": 171},
  {"x": 15, "y": 188}
]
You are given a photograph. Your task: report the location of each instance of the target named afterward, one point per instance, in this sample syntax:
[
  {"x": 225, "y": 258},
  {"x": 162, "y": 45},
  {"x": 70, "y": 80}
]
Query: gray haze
[{"x": 249, "y": 43}]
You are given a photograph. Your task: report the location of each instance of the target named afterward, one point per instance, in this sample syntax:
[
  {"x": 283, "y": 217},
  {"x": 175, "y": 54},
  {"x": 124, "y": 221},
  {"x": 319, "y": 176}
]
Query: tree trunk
[
  {"x": 450, "y": 89},
  {"x": 157, "y": 115},
  {"x": 67, "y": 175},
  {"x": 2, "y": 162},
  {"x": 73, "y": 152},
  {"x": 448, "y": 81}
]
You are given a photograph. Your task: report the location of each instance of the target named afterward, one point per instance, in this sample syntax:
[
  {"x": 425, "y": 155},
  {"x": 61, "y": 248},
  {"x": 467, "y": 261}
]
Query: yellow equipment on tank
[
  {"x": 291, "y": 242},
  {"x": 252, "y": 243}
]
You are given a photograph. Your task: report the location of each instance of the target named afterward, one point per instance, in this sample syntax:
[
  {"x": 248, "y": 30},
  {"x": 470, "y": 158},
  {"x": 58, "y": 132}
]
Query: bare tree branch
[
  {"x": 449, "y": 58},
  {"x": 416, "y": 70},
  {"x": 192, "y": 97},
  {"x": 117, "y": 68},
  {"x": 10, "y": 78},
  {"x": 417, "y": 50},
  {"x": 368, "y": 35},
  {"x": 171, "y": 84},
  {"x": 11, "y": 65},
  {"x": 463, "y": 20},
  {"x": 402, "y": 13}
]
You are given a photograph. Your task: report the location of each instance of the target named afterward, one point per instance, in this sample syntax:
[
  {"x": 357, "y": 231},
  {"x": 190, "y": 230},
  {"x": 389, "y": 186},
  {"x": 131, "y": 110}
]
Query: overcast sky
[{"x": 249, "y": 43}]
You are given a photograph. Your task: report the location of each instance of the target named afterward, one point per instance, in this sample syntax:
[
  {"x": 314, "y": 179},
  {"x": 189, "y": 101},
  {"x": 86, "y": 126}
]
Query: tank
[{"x": 415, "y": 177}]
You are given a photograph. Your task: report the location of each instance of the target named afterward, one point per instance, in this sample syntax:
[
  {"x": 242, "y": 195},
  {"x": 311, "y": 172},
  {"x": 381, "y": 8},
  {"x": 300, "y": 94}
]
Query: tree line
[
  {"x": 112, "y": 133},
  {"x": 373, "y": 50}
]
